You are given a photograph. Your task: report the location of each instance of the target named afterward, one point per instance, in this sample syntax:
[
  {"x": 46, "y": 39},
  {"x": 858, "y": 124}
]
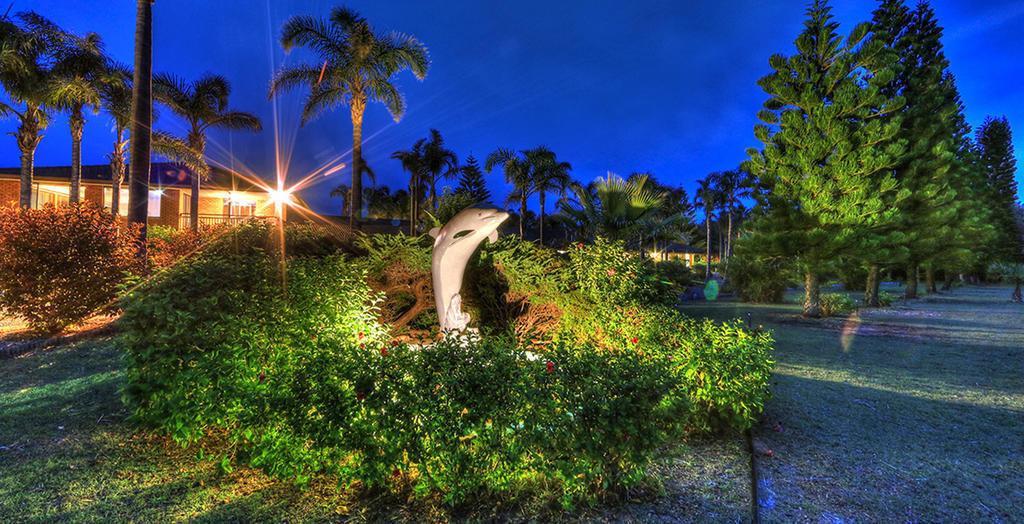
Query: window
[{"x": 154, "y": 202}]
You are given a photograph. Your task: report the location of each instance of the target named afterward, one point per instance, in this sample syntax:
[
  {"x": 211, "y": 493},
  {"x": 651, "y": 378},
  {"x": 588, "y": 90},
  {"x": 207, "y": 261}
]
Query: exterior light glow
[{"x": 280, "y": 197}]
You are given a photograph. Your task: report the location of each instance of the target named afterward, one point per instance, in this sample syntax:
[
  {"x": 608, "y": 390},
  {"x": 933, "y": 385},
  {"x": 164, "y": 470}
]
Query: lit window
[{"x": 154, "y": 202}]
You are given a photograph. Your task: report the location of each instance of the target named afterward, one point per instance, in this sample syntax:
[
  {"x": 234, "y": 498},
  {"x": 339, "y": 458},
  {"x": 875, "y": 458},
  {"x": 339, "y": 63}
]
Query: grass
[
  {"x": 908, "y": 413},
  {"x": 68, "y": 454}
]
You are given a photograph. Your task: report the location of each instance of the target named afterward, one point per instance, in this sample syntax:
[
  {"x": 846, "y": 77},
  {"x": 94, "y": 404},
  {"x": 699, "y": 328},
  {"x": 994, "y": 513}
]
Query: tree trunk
[
  {"x": 929, "y": 279},
  {"x": 812, "y": 295},
  {"x": 541, "y": 218},
  {"x": 193, "y": 202},
  {"x": 413, "y": 182},
  {"x": 433, "y": 191},
  {"x": 522, "y": 218},
  {"x": 911, "y": 291},
  {"x": 76, "y": 122},
  {"x": 728, "y": 249},
  {"x": 116, "y": 173},
  {"x": 355, "y": 205},
  {"x": 707, "y": 248},
  {"x": 142, "y": 121},
  {"x": 871, "y": 292},
  {"x": 28, "y": 138},
  {"x": 947, "y": 285}
]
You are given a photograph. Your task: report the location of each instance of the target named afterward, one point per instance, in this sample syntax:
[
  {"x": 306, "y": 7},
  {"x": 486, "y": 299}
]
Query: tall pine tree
[
  {"x": 472, "y": 183},
  {"x": 928, "y": 210},
  {"x": 995, "y": 146},
  {"x": 828, "y": 151}
]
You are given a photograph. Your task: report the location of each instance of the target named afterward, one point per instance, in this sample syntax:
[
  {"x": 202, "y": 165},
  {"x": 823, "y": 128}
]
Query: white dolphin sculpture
[{"x": 454, "y": 243}]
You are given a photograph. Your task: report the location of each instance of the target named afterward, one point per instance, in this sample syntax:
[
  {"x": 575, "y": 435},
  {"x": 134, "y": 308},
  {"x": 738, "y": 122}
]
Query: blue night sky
[{"x": 667, "y": 87}]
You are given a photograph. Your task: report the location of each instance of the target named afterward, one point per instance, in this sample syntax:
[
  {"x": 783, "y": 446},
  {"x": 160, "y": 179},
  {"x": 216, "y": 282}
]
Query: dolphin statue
[{"x": 454, "y": 243}]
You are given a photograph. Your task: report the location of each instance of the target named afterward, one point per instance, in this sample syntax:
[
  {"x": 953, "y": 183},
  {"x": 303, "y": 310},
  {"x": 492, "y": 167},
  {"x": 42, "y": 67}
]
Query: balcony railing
[{"x": 185, "y": 220}]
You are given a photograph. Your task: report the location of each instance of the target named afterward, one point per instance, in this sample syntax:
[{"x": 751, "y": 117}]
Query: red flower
[
  {"x": 579, "y": 245},
  {"x": 383, "y": 351},
  {"x": 262, "y": 377},
  {"x": 360, "y": 334},
  {"x": 634, "y": 340},
  {"x": 551, "y": 367},
  {"x": 396, "y": 473},
  {"x": 362, "y": 344},
  {"x": 360, "y": 395},
  {"x": 611, "y": 272}
]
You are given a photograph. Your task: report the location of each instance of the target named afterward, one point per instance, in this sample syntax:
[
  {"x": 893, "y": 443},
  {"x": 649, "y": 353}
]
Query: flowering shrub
[
  {"x": 604, "y": 273},
  {"x": 60, "y": 265}
]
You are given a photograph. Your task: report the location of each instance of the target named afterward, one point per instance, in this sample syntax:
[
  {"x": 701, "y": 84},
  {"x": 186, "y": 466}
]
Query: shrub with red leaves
[{"x": 60, "y": 265}]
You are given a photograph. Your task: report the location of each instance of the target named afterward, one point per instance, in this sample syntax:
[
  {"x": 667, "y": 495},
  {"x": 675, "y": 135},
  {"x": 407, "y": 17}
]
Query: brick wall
[
  {"x": 94, "y": 194},
  {"x": 9, "y": 192}
]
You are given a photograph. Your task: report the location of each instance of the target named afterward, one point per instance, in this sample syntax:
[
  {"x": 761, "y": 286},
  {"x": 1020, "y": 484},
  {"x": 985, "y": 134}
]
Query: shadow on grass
[
  {"x": 911, "y": 413},
  {"x": 866, "y": 453}
]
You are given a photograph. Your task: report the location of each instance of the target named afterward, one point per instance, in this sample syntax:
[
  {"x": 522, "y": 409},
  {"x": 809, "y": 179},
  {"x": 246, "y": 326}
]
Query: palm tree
[
  {"x": 27, "y": 77},
  {"x": 345, "y": 192},
  {"x": 707, "y": 198},
  {"x": 142, "y": 121},
  {"x": 613, "y": 207},
  {"x": 116, "y": 95},
  {"x": 730, "y": 186},
  {"x": 357, "y": 66},
  {"x": 518, "y": 172},
  {"x": 437, "y": 162},
  {"x": 412, "y": 161},
  {"x": 548, "y": 175},
  {"x": 203, "y": 105},
  {"x": 81, "y": 70}
]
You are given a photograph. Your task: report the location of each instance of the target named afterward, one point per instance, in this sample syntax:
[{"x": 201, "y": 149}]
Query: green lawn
[{"x": 908, "y": 413}]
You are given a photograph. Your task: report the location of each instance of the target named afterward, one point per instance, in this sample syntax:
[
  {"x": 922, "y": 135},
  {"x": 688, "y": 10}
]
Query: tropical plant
[
  {"x": 518, "y": 172},
  {"x": 116, "y": 95},
  {"x": 81, "y": 69},
  {"x": 26, "y": 74},
  {"x": 707, "y": 199},
  {"x": 612, "y": 207},
  {"x": 412, "y": 161},
  {"x": 142, "y": 122},
  {"x": 548, "y": 175},
  {"x": 203, "y": 105},
  {"x": 357, "y": 66},
  {"x": 437, "y": 162}
]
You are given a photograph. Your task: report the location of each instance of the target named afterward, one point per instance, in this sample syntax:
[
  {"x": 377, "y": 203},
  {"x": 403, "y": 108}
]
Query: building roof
[{"x": 161, "y": 175}]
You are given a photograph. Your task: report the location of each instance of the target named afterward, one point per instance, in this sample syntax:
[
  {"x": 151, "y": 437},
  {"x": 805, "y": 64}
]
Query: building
[
  {"x": 688, "y": 255},
  {"x": 225, "y": 197}
]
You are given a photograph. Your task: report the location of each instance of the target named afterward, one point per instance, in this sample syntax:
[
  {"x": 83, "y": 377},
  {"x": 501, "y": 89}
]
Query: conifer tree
[
  {"x": 472, "y": 183},
  {"x": 995, "y": 147},
  {"x": 929, "y": 212},
  {"x": 828, "y": 152}
]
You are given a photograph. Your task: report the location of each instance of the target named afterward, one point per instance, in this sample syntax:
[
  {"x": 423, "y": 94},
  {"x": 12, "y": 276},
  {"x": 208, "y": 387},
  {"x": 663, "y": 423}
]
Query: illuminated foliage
[{"x": 60, "y": 265}]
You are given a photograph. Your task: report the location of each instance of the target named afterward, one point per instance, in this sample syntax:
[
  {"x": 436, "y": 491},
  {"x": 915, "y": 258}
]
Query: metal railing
[{"x": 185, "y": 220}]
